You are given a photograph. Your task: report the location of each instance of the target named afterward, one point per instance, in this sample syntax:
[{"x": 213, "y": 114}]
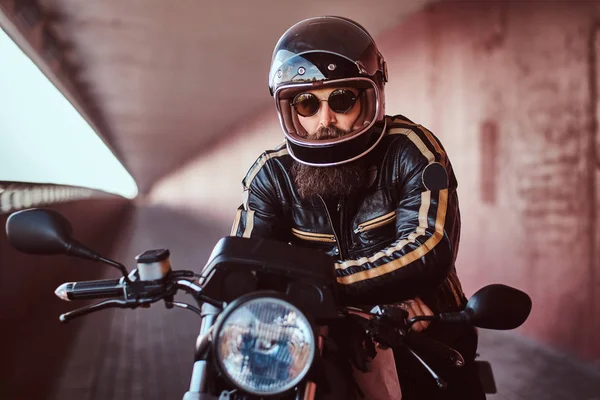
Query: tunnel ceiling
[{"x": 165, "y": 80}]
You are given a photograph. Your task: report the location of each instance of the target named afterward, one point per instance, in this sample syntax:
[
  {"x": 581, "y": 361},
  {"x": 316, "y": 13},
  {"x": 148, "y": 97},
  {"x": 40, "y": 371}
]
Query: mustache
[{"x": 327, "y": 132}]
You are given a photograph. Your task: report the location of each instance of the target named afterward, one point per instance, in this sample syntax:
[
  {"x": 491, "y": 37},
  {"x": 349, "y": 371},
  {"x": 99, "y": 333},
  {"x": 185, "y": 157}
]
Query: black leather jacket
[{"x": 395, "y": 240}]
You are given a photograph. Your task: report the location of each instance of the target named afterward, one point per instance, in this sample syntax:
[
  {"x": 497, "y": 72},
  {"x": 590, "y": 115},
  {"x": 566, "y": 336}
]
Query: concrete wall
[{"x": 510, "y": 88}]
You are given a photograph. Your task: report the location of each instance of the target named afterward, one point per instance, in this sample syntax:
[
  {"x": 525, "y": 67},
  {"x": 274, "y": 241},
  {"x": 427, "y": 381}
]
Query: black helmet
[{"x": 329, "y": 52}]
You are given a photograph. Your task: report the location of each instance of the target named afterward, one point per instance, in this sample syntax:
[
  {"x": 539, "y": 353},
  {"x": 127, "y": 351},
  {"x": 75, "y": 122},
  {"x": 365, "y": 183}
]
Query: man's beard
[{"x": 329, "y": 182}]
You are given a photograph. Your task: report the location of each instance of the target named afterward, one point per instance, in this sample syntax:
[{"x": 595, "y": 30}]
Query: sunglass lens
[
  {"x": 306, "y": 104},
  {"x": 342, "y": 101}
]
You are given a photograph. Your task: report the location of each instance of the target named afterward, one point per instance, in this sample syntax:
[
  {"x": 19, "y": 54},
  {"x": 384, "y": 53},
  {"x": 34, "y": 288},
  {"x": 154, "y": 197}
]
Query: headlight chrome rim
[{"x": 238, "y": 304}]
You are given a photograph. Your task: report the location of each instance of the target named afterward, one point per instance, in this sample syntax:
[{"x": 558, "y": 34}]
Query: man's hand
[{"x": 416, "y": 308}]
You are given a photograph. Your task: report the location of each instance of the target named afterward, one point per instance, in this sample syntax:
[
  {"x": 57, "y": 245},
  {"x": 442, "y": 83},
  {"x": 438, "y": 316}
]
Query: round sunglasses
[{"x": 340, "y": 101}]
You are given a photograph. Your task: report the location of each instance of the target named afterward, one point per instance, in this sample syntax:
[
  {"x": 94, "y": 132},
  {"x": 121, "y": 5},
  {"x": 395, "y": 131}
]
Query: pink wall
[
  {"x": 510, "y": 89},
  {"x": 507, "y": 88}
]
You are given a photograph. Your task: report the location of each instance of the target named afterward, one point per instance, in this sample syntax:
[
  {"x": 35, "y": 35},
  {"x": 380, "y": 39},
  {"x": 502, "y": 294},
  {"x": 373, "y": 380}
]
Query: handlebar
[
  {"x": 387, "y": 326},
  {"x": 131, "y": 293},
  {"x": 85, "y": 290}
]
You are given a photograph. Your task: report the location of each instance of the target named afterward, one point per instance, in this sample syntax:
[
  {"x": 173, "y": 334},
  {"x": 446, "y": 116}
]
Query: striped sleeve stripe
[
  {"x": 423, "y": 210},
  {"x": 236, "y": 222},
  {"x": 404, "y": 127},
  {"x": 417, "y": 141},
  {"x": 248, "y": 216},
  {"x": 281, "y": 146},
  {"x": 409, "y": 257},
  {"x": 436, "y": 145},
  {"x": 423, "y": 141},
  {"x": 259, "y": 164},
  {"x": 249, "y": 223}
]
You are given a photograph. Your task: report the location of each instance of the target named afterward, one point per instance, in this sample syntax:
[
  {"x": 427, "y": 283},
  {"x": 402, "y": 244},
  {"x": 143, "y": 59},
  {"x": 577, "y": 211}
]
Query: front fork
[
  {"x": 199, "y": 380},
  {"x": 310, "y": 388}
]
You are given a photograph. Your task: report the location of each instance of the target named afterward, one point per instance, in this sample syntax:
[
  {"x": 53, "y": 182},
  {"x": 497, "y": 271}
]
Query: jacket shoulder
[
  {"x": 404, "y": 135},
  {"x": 258, "y": 165}
]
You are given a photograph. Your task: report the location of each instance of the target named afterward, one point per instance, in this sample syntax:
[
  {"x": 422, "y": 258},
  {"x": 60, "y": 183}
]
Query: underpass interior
[{"x": 509, "y": 88}]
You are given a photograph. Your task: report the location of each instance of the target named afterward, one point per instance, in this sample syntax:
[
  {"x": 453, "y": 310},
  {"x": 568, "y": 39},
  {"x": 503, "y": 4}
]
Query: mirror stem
[{"x": 117, "y": 265}]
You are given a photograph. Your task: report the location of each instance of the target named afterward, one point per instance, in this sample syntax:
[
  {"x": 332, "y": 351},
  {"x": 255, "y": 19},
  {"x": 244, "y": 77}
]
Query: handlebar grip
[{"x": 85, "y": 290}]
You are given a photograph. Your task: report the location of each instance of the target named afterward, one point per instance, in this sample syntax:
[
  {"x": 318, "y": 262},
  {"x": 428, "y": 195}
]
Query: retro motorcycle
[{"x": 265, "y": 310}]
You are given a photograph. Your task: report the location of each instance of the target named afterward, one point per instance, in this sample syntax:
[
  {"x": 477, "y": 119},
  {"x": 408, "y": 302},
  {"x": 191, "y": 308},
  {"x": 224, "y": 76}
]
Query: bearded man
[{"x": 375, "y": 192}]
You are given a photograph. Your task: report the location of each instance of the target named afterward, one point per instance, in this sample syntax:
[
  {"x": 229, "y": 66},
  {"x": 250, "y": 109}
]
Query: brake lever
[
  {"x": 389, "y": 328},
  {"x": 439, "y": 381},
  {"x": 433, "y": 350},
  {"x": 80, "y": 312},
  {"x": 185, "y": 306}
]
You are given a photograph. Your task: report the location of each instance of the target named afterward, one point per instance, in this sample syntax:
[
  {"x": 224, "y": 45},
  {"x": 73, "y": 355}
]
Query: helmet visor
[{"x": 295, "y": 102}]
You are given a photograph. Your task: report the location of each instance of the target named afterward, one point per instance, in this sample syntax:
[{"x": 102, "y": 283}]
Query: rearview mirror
[
  {"x": 43, "y": 231},
  {"x": 498, "y": 307},
  {"x": 39, "y": 231}
]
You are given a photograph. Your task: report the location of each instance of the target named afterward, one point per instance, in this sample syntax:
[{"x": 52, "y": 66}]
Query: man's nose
[{"x": 326, "y": 115}]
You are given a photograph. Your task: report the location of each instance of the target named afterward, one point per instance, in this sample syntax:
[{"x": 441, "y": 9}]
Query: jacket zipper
[
  {"x": 343, "y": 242},
  {"x": 337, "y": 239},
  {"x": 317, "y": 237},
  {"x": 375, "y": 223}
]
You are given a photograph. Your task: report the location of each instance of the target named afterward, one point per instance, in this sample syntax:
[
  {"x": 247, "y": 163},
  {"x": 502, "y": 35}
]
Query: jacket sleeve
[
  {"x": 422, "y": 255},
  {"x": 261, "y": 211}
]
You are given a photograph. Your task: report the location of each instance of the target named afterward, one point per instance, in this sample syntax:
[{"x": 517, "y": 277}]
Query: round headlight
[{"x": 265, "y": 346}]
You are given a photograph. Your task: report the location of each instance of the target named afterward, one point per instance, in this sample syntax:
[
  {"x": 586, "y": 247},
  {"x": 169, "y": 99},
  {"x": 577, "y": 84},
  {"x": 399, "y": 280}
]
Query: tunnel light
[
  {"x": 44, "y": 139},
  {"x": 17, "y": 196}
]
